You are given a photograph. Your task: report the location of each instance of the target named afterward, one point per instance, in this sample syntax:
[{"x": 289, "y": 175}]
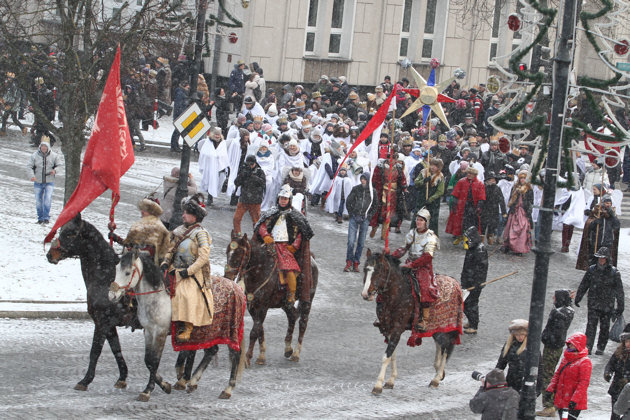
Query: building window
[
  {"x": 494, "y": 39},
  {"x": 334, "y": 45},
  {"x": 311, "y": 26},
  {"x": 429, "y": 29},
  {"x": 404, "y": 31},
  {"x": 116, "y": 15}
]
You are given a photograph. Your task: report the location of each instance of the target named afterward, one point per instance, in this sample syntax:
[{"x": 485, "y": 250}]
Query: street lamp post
[
  {"x": 562, "y": 64},
  {"x": 182, "y": 185}
]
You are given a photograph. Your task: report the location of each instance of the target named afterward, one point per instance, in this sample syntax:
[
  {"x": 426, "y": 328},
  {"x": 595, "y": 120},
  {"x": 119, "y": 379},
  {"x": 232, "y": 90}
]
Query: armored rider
[
  {"x": 192, "y": 304},
  {"x": 289, "y": 232},
  {"x": 421, "y": 243}
]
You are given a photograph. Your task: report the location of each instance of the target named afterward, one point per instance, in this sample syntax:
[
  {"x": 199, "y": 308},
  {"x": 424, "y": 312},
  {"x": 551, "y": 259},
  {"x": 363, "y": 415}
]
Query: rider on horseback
[
  {"x": 189, "y": 258},
  {"x": 148, "y": 233},
  {"x": 289, "y": 231},
  {"x": 421, "y": 243}
]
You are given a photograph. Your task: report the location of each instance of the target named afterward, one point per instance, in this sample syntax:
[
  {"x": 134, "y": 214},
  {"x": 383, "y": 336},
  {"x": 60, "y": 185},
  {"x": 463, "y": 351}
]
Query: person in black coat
[
  {"x": 493, "y": 208},
  {"x": 603, "y": 283},
  {"x": 474, "y": 273},
  {"x": 360, "y": 210},
  {"x": 222, "y": 111},
  {"x": 513, "y": 356},
  {"x": 181, "y": 102},
  {"x": 554, "y": 336},
  {"x": 252, "y": 180},
  {"x": 618, "y": 369},
  {"x": 493, "y": 160}
]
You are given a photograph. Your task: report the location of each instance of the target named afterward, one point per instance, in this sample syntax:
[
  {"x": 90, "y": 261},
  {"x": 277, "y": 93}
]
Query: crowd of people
[{"x": 284, "y": 155}]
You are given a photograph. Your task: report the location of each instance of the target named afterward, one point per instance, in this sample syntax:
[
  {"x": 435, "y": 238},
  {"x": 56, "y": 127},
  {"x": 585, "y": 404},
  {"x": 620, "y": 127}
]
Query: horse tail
[{"x": 241, "y": 361}]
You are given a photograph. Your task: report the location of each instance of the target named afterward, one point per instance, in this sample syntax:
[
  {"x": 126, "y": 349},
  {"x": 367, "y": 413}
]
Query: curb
[{"x": 67, "y": 315}]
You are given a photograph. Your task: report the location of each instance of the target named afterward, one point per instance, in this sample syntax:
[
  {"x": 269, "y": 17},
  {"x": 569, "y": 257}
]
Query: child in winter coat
[
  {"x": 514, "y": 354},
  {"x": 618, "y": 369},
  {"x": 571, "y": 380},
  {"x": 553, "y": 337}
]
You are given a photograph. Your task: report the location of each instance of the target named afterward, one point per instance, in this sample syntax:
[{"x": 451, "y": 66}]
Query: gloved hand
[
  {"x": 112, "y": 236},
  {"x": 268, "y": 239},
  {"x": 607, "y": 376},
  {"x": 572, "y": 405},
  {"x": 183, "y": 274},
  {"x": 505, "y": 215},
  {"x": 164, "y": 266},
  {"x": 291, "y": 249},
  {"x": 577, "y": 303}
]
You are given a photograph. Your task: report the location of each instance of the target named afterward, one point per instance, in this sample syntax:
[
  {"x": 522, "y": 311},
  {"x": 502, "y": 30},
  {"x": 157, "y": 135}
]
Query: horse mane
[
  {"x": 96, "y": 238},
  {"x": 152, "y": 272},
  {"x": 393, "y": 261}
]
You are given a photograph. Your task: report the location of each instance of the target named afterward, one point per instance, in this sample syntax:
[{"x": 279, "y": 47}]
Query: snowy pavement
[{"x": 41, "y": 360}]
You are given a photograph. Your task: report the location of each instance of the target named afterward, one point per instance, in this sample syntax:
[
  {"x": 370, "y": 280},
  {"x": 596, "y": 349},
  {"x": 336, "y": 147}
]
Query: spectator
[
  {"x": 43, "y": 165},
  {"x": 170, "y": 188},
  {"x": 360, "y": 210},
  {"x": 181, "y": 103},
  {"x": 603, "y": 283},
  {"x": 517, "y": 236},
  {"x": 571, "y": 380},
  {"x": 514, "y": 353},
  {"x": 237, "y": 83},
  {"x": 495, "y": 399},
  {"x": 553, "y": 337},
  {"x": 12, "y": 100},
  {"x": 618, "y": 369}
]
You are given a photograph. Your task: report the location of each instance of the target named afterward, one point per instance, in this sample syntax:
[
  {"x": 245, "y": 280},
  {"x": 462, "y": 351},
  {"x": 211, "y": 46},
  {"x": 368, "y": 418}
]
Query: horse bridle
[
  {"x": 385, "y": 287},
  {"x": 114, "y": 287},
  {"x": 56, "y": 243},
  {"x": 244, "y": 259}
]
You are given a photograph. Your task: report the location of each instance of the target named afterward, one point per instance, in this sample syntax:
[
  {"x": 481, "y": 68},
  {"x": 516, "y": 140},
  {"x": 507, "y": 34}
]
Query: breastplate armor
[
  {"x": 184, "y": 256},
  {"x": 280, "y": 233},
  {"x": 421, "y": 243}
]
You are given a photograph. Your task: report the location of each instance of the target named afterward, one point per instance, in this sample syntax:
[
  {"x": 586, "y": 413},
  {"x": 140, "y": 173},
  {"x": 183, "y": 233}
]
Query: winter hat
[
  {"x": 365, "y": 175},
  {"x": 243, "y": 132},
  {"x": 150, "y": 207},
  {"x": 175, "y": 172},
  {"x": 273, "y": 110},
  {"x": 463, "y": 165},
  {"x": 471, "y": 170},
  {"x": 624, "y": 336},
  {"x": 194, "y": 205},
  {"x": 495, "y": 377},
  {"x": 437, "y": 162},
  {"x": 518, "y": 325},
  {"x": 607, "y": 199},
  {"x": 250, "y": 159},
  {"x": 266, "y": 127},
  {"x": 293, "y": 142}
]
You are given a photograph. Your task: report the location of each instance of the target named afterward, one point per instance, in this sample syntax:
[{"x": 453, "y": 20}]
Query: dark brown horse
[
  {"x": 257, "y": 267},
  {"x": 79, "y": 239},
  {"x": 395, "y": 311}
]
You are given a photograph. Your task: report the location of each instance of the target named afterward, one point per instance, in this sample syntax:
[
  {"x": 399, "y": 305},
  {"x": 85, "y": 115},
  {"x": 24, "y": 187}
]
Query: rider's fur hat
[
  {"x": 150, "y": 206},
  {"x": 194, "y": 205}
]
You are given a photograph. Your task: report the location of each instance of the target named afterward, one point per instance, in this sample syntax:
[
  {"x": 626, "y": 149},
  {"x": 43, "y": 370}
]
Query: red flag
[
  {"x": 109, "y": 153},
  {"x": 374, "y": 123}
]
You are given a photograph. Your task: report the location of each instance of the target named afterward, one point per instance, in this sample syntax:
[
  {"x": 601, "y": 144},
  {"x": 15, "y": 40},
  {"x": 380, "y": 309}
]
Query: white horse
[{"x": 138, "y": 275}]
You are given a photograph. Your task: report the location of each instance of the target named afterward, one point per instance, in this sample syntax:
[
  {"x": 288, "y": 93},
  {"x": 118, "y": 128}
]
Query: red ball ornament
[
  {"x": 233, "y": 37},
  {"x": 514, "y": 22},
  {"x": 435, "y": 63},
  {"x": 621, "y": 48}
]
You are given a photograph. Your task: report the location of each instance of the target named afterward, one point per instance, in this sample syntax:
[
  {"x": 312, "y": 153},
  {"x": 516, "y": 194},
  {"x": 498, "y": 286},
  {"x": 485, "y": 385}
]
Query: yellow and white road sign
[{"x": 192, "y": 124}]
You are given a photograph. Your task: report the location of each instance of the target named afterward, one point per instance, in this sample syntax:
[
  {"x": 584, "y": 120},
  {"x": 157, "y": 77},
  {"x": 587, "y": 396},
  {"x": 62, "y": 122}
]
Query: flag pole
[{"x": 388, "y": 216}]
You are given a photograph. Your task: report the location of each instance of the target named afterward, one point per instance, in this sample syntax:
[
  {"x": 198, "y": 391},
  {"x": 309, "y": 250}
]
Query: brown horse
[
  {"x": 395, "y": 311},
  {"x": 257, "y": 267}
]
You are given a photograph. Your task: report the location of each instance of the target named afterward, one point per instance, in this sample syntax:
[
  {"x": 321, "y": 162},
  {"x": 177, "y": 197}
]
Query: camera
[{"x": 478, "y": 376}]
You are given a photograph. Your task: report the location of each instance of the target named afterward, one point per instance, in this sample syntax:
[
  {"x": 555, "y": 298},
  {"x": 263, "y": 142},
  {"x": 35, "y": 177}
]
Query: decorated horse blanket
[
  {"x": 445, "y": 314},
  {"x": 227, "y": 323}
]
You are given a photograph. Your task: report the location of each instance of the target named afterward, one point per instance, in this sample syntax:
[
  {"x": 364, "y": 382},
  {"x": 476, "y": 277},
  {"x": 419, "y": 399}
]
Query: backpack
[{"x": 258, "y": 93}]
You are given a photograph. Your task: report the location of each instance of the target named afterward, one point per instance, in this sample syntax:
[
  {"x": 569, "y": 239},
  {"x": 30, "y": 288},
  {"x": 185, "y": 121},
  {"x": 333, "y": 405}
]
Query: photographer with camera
[{"x": 494, "y": 399}]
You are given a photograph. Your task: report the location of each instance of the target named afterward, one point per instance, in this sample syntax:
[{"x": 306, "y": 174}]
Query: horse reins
[
  {"x": 267, "y": 279},
  {"x": 128, "y": 290}
]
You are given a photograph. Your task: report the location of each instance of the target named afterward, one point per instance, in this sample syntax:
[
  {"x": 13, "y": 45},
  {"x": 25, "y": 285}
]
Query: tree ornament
[
  {"x": 435, "y": 63},
  {"x": 459, "y": 73},
  {"x": 621, "y": 48},
  {"x": 514, "y": 22}
]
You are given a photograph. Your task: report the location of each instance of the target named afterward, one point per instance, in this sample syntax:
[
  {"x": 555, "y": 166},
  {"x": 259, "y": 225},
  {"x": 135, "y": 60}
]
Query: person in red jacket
[
  {"x": 467, "y": 201},
  {"x": 571, "y": 380}
]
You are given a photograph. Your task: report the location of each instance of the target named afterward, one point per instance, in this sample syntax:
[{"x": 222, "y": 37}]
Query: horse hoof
[
  {"x": 224, "y": 396},
  {"x": 388, "y": 386},
  {"x": 248, "y": 364},
  {"x": 144, "y": 397},
  {"x": 120, "y": 385},
  {"x": 260, "y": 361},
  {"x": 180, "y": 385},
  {"x": 288, "y": 353},
  {"x": 166, "y": 388},
  {"x": 434, "y": 383},
  {"x": 377, "y": 391},
  {"x": 294, "y": 358},
  {"x": 443, "y": 375},
  {"x": 191, "y": 388},
  {"x": 80, "y": 387}
]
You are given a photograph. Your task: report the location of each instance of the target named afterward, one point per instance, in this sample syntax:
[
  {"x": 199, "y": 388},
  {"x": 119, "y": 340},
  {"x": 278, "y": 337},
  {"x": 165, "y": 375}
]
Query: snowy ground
[{"x": 333, "y": 380}]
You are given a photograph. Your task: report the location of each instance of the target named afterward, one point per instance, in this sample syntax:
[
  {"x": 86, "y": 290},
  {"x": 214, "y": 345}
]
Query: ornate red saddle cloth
[
  {"x": 227, "y": 324},
  {"x": 445, "y": 314}
]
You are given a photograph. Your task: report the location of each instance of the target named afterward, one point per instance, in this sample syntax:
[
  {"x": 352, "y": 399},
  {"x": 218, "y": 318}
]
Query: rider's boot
[
  {"x": 422, "y": 324},
  {"x": 292, "y": 284},
  {"x": 184, "y": 335}
]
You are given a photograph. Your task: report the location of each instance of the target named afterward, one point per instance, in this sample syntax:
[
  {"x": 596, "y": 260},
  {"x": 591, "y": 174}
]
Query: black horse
[{"x": 79, "y": 239}]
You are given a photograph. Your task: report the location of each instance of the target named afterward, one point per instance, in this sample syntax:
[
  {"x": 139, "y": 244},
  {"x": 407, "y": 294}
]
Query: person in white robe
[
  {"x": 328, "y": 166},
  {"x": 267, "y": 163},
  {"x": 341, "y": 187},
  {"x": 213, "y": 162},
  {"x": 250, "y": 106},
  {"x": 235, "y": 155}
]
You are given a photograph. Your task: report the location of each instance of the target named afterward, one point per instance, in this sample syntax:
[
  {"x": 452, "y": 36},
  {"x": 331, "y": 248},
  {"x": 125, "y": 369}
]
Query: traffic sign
[{"x": 192, "y": 124}]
